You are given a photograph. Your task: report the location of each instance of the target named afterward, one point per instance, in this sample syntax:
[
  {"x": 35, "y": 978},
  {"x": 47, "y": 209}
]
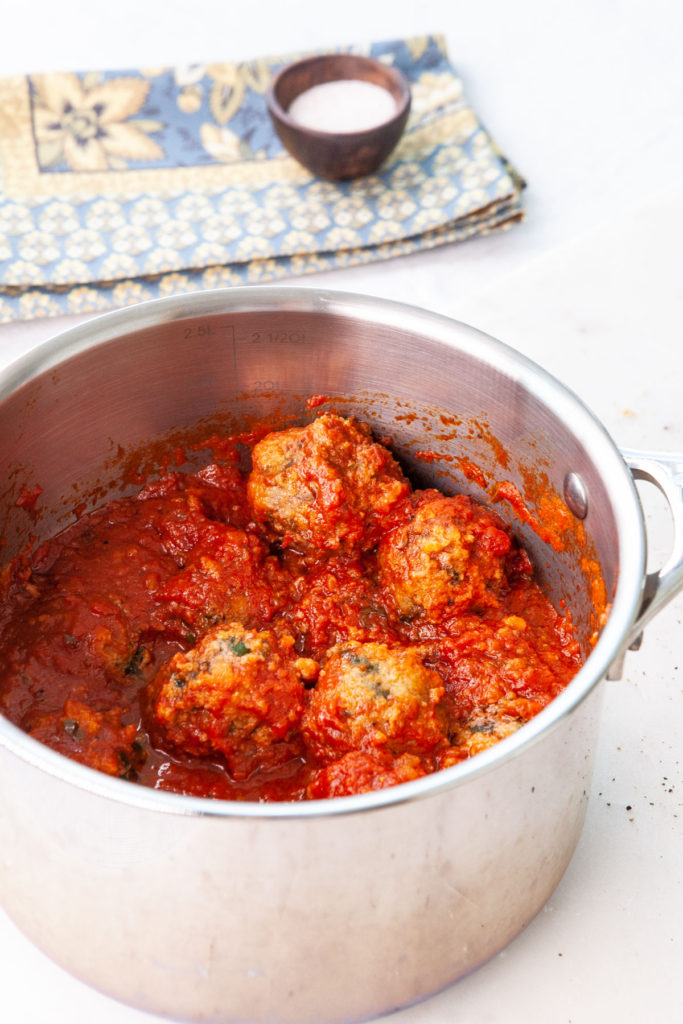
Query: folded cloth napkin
[{"x": 119, "y": 186}]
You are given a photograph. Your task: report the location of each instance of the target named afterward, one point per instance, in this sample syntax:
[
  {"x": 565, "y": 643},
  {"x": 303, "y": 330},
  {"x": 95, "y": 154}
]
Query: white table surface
[{"x": 586, "y": 100}]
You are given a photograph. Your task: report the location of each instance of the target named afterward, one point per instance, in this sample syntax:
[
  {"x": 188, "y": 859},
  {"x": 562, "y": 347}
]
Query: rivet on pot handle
[{"x": 665, "y": 471}]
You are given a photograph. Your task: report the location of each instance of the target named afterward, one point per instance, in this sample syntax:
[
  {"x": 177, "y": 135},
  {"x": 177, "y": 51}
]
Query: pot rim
[{"x": 538, "y": 381}]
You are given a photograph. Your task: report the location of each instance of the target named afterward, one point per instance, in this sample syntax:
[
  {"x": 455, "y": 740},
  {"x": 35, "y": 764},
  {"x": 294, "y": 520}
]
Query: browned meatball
[
  {"x": 335, "y": 603},
  {"x": 324, "y": 486},
  {"x": 362, "y": 771},
  {"x": 227, "y": 576},
  {"x": 239, "y": 693},
  {"x": 448, "y": 556},
  {"x": 98, "y": 739},
  {"x": 374, "y": 696},
  {"x": 486, "y": 726}
]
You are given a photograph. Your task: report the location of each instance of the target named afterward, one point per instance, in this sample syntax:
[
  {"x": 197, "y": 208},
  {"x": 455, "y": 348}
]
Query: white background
[{"x": 585, "y": 98}]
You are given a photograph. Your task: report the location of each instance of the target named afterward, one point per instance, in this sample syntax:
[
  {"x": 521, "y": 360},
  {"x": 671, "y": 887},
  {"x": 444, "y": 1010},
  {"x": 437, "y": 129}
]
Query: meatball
[
  {"x": 238, "y": 693},
  {"x": 222, "y": 572},
  {"x": 362, "y": 771},
  {"x": 227, "y": 576},
  {"x": 486, "y": 726},
  {"x": 374, "y": 696},
  {"x": 335, "y": 603},
  {"x": 447, "y": 557},
  {"x": 98, "y": 739},
  {"x": 325, "y": 486},
  {"x": 500, "y": 660}
]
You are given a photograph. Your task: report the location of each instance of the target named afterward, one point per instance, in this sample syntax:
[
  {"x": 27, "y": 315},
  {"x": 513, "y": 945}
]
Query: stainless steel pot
[{"x": 336, "y": 910}]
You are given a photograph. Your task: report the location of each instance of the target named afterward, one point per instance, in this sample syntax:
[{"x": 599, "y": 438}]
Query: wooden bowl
[{"x": 337, "y": 155}]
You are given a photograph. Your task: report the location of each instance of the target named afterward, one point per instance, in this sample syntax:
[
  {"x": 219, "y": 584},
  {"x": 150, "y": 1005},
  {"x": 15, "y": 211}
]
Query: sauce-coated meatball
[
  {"x": 374, "y": 696},
  {"x": 98, "y": 739},
  {"x": 335, "y": 604},
  {"x": 362, "y": 771},
  {"x": 486, "y": 726},
  {"x": 324, "y": 486},
  {"x": 227, "y": 576},
  {"x": 238, "y": 693},
  {"x": 446, "y": 557}
]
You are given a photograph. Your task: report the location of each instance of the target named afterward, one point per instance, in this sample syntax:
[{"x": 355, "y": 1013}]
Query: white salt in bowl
[{"x": 339, "y": 115}]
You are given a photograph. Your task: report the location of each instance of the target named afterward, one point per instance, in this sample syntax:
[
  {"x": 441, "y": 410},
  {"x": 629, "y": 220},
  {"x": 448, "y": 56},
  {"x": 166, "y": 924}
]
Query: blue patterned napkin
[{"x": 119, "y": 186}]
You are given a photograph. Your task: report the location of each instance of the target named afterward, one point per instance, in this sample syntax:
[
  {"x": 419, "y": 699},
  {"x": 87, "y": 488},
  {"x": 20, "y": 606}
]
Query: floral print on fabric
[
  {"x": 122, "y": 185},
  {"x": 90, "y": 125}
]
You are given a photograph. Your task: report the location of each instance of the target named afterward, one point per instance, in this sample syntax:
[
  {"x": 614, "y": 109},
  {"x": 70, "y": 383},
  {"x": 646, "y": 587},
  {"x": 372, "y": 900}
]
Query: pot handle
[{"x": 665, "y": 471}]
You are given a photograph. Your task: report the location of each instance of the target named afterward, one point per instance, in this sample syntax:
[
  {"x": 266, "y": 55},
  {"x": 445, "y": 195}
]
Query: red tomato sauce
[{"x": 305, "y": 627}]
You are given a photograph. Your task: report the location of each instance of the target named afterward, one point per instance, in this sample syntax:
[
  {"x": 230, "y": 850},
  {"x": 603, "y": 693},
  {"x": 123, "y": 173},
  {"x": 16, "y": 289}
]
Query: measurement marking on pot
[
  {"x": 224, "y": 333},
  {"x": 204, "y": 330},
  {"x": 278, "y": 338}
]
